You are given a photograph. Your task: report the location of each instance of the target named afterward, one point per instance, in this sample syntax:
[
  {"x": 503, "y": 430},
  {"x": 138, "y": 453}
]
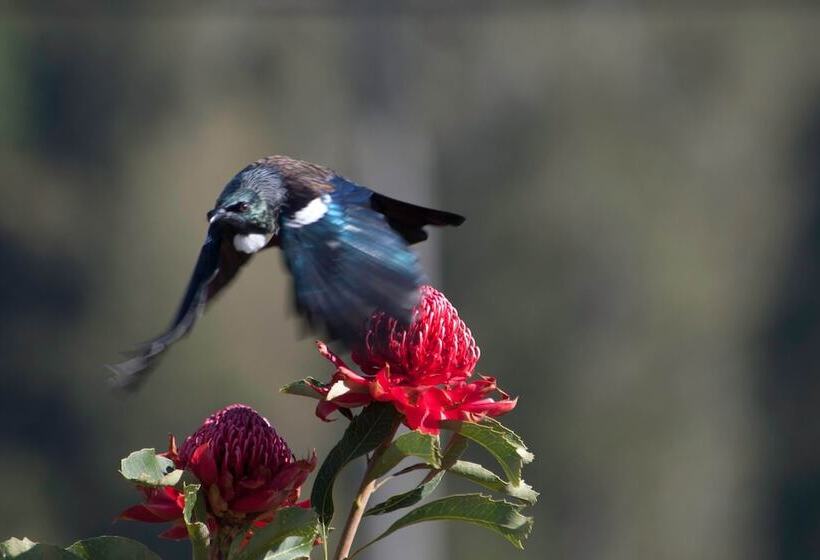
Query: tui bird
[{"x": 345, "y": 246}]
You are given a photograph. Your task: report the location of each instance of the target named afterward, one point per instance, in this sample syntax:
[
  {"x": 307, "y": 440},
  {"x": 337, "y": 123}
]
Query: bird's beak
[{"x": 216, "y": 215}]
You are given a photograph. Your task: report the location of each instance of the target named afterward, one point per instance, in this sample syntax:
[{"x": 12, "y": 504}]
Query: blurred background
[{"x": 640, "y": 261}]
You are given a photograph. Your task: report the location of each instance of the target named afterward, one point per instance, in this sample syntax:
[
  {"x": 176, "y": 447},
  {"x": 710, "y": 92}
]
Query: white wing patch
[
  {"x": 251, "y": 242},
  {"x": 312, "y": 212}
]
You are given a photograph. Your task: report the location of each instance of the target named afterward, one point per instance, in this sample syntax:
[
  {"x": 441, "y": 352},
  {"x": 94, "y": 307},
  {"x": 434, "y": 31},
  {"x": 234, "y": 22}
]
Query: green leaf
[
  {"x": 454, "y": 450},
  {"x": 194, "y": 514},
  {"x": 411, "y": 444},
  {"x": 407, "y": 499},
  {"x": 503, "y": 444},
  {"x": 107, "y": 547},
  {"x": 284, "y": 538},
  {"x": 488, "y": 479},
  {"x": 291, "y": 548},
  {"x": 148, "y": 468},
  {"x": 303, "y": 388},
  {"x": 41, "y": 551},
  {"x": 498, "y": 516},
  {"x": 367, "y": 430},
  {"x": 14, "y": 547},
  {"x": 98, "y": 548},
  {"x": 526, "y": 455}
]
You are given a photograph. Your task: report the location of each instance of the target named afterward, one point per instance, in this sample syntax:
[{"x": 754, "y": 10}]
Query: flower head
[
  {"x": 246, "y": 470},
  {"x": 424, "y": 369},
  {"x": 436, "y": 347},
  {"x": 245, "y": 467}
]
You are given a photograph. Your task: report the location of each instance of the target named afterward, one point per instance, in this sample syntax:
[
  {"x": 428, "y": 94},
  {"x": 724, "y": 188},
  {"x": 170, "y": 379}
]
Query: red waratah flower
[
  {"x": 424, "y": 369},
  {"x": 436, "y": 347},
  {"x": 247, "y": 472},
  {"x": 245, "y": 467}
]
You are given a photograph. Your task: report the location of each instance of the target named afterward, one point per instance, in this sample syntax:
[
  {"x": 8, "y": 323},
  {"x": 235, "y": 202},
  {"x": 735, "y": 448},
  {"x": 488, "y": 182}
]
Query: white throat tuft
[{"x": 251, "y": 242}]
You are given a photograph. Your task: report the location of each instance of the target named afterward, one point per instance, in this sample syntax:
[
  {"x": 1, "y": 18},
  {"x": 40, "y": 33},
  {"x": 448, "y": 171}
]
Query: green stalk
[{"x": 366, "y": 489}]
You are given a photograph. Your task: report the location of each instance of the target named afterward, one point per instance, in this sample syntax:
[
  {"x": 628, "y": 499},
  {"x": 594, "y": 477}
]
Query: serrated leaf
[
  {"x": 298, "y": 526},
  {"x": 411, "y": 444},
  {"x": 500, "y": 517},
  {"x": 367, "y": 430},
  {"x": 193, "y": 513},
  {"x": 407, "y": 499},
  {"x": 42, "y": 551},
  {"x": 302, "y": 388},
  {"x": 507, "y": 449},
  {"x": 488, "y": 479},
  {"x": 147, "y": 468},
  {"x": 522, "y": 450},
  {"x": 106, "y": 547},
  {"x": 13, "y": 547}
]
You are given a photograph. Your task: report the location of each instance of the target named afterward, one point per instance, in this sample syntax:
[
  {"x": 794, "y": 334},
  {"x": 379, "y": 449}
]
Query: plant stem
[
  {"x": 354, "y": 518},
  {"x": 366, "y": 489},
  {"x": 218, "y": 548}
]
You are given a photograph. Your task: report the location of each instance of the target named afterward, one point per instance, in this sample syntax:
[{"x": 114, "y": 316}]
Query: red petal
[
  {"x": 175, "y": 533},
  {"x": 341, "y": 368},
  {"x": 380, "y": 387},
  {"x": 324, "y": 409},
  {"x": 165, "y": 512},
  {"x": 293, "y": 475},
  {"x": 161, "y": 504},
  {"x": 328, "y": 355},
  {"x": 424, "y": 415},
  {"x": 140, "y": 513},
  {"x": 497, "y": 408},
  {"x": 260, "y": 500},
  {"x": 172, "y": 451},
  {"x": 203, "y": 464}
]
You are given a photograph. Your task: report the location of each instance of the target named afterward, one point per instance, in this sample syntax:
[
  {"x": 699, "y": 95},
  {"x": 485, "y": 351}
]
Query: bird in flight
[{"x": 346, "y": 246}]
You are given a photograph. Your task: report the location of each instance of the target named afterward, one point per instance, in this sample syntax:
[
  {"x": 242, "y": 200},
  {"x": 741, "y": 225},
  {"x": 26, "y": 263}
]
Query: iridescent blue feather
[{"x": 348, "y": 263}]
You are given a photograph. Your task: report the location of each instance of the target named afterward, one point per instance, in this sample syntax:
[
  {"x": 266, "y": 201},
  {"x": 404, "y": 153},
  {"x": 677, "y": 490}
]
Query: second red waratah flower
[
  {"x": 423, "y": 369},
  {"x": 247, "y": 472}
]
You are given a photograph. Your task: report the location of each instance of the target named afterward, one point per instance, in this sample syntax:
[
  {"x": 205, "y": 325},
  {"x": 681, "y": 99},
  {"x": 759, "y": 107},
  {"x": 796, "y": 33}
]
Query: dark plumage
[{"x": 345, "y": 246}]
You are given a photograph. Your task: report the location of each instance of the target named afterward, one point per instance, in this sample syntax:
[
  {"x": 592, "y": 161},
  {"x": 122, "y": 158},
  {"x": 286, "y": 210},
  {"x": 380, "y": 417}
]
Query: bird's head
[{"x": 250, "y": 202}]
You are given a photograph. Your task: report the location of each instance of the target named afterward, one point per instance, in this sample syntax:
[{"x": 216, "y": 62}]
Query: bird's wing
[
  {"x": 216, "y": 266},
  {"x": 347, "y": 261},
  {"x": 409, "y": 219}
]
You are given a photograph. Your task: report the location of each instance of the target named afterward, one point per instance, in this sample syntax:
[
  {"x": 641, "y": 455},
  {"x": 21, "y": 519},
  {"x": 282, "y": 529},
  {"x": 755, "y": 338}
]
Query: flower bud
[{"x": 245, "y": 467}]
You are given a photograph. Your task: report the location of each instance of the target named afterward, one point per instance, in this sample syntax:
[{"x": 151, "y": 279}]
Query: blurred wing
[
  {"x": 409, "y": 219},
  {"x": 216, "y": 266},
  {"x": 347, "y": 261}
]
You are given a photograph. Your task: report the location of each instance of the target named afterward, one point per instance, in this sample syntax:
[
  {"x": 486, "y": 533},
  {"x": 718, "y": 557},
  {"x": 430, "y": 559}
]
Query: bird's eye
[{"x": 241, "y": 207}]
